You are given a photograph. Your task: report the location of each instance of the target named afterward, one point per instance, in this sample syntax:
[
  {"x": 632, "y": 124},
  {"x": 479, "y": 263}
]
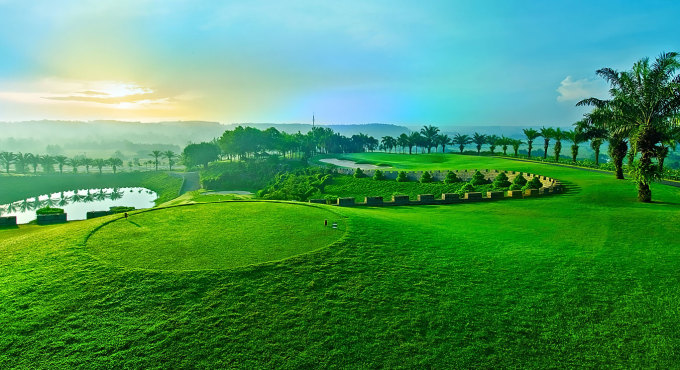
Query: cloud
[{"x": 571, "y": 90}]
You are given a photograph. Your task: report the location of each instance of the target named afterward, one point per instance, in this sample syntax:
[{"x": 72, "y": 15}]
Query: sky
[{"x": 445, "y": 63}]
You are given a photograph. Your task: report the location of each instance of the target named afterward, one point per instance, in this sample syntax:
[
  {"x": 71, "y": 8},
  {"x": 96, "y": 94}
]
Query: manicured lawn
[
  {"x": 214, "y": 235},
  {"x": 18, "y": 187},
  {"x": 585, "y": 279}
]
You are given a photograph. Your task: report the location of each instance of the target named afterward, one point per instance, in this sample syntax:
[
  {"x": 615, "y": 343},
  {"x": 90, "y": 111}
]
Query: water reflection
[{"x": 76, "y": 203}]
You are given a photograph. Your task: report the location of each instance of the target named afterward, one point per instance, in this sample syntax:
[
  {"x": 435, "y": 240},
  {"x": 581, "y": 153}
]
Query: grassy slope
[
  {"x": 249, "y": 233},
  {"x": 13, "y": 188},
  {"x": 586, "y": 278}
]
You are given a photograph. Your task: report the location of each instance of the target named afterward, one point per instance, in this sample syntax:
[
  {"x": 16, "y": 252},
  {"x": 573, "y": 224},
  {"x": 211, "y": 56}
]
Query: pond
[{"x": 76, "y": 203}]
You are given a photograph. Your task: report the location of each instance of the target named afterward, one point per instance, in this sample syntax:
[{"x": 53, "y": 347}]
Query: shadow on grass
[{"x": 132, "y": 222}]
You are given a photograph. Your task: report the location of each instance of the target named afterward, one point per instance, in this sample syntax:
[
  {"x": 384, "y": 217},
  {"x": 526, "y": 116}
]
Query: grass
[
  {"x": 584, "y": 279},
  {"x": 214, "y": 235},
  {"x": 18, "y": 187}
]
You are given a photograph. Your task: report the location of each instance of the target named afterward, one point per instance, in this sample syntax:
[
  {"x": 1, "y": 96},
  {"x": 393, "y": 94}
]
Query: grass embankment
[
  {"x": 584, "y": 279},
  {"x": 348, "y": 186},
  {"x": 214, "y": 235},
  {"x": 18, "y": 187}
]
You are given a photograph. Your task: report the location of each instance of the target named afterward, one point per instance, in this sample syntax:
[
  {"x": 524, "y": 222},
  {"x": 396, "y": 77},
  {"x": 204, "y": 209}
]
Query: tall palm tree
[
  {"x": 33, "y": 160},
  {"x": 504, "y": 142},
  {"x": 429, "y": 133},
  {"x": 596, "y": 134},
  {"x": 21, "y": 161},
  {"x": 388, "y": 142},
  {"x": 531, "y": 135},
  {"x": 493, "y": 141},
  {"x": 443, "y": 140},
  {"x": 114, "y": 162},
  {"x": 47, "y": 163},
  {"x": 644, "y": 102},
  {"x": 461, "y": 141},
  {"x": 576, "y": 136},
  {"x": 7, "y": 158},
  {"x": 547, "y": 134},
  {"x": 170, "y": 155},
  {"x": 516, "y": 144},
  {"x": 61, "y": 161},
  {"x": 156, "y": 154},
  {"x": 74, "y": 162},
  {"x": 480, "y": 140},
  {"x": 100, "y": 163},
  {"x": 402, "y": 141},
  {"x": 413, "y": 140},
  {"x": 558, "y": 135}
]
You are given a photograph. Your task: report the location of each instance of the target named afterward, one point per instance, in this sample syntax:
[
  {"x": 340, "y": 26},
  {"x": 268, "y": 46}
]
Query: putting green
[{"x": 214, "y": 235}]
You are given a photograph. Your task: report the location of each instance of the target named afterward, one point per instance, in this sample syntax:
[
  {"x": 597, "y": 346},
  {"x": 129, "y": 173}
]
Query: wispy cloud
[{"x": 571, "y": 90}]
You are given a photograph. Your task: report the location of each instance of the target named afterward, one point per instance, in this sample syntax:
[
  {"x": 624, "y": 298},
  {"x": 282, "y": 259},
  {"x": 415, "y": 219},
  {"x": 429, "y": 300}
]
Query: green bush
[
  {"x": 451, "y": 178},
  {"x": 478, "y": 179},
  {"x": 378, "y": 175},
  {"x": 358, "y": 173},
  {"x": 121, "y": 209},
  {"x": 401, "y": 177},
  {"x": 426, "y": 177},
  {"x": 535, "y": 183},
  {"x": 519, "y": 180},
  {"x": 501, "y": 181},
  {"x": 515, "y": 187},
  {"x": 466, "y": 188},
  {"x": 49, "y": 211},
  {"x": 300, "y": 185}
]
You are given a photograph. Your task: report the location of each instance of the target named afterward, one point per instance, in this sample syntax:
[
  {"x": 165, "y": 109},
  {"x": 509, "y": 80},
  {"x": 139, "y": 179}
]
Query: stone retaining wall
[
  {"x": 8, "y": 221},
  {"x": 51, "y": 219}
]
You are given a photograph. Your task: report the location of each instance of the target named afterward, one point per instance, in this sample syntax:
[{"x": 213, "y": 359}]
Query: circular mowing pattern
[{"x": 214, "y": 235}]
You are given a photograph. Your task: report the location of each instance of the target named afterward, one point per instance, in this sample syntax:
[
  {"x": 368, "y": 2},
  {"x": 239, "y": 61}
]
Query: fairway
[{"x": 214, "y": 235}]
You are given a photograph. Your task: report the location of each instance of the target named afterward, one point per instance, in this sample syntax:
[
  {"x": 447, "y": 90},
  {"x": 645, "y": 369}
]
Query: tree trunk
[
  {"x": 545, "y": 150},
  {"x": 558, "y": 149},
  {"x": 617, "y": 150},
  {"x": 597, "y": 156},
  {"x": 530, "y": 146},
  {"x": 644, "y": 193},
  {"x": 574, "y": 153}
]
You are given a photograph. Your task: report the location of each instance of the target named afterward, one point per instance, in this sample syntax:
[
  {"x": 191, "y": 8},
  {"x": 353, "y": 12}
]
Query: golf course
[{"x": 588, "y": 277}]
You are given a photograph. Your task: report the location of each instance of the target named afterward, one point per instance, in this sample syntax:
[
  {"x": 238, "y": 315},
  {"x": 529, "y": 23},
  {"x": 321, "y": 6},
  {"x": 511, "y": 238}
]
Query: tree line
[{"x": 29, "y": 162}]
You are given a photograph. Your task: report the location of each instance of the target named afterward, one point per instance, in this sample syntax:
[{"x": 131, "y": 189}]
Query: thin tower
[{"x": 313, "y": 120}]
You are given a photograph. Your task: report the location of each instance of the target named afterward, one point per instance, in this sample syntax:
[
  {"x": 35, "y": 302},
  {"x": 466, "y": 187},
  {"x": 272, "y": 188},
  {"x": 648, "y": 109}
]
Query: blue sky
[{"x": 406, "y": 62}]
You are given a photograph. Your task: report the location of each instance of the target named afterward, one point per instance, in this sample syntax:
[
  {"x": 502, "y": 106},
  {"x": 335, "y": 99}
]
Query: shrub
[
  {"x": 519, "y": 180},
  {"x": 358, "y": 173},
  {"x": 515, "y": 187},
  {"x": 401, "y": 177},
  {"x": 466, "y": 188},
  {"x": 49, "y": 211},
  {"x": 121, "y": 209},
  {"x": 501, "y": 181},
  {"x": 378, "y": 175},
  {"x": 426, "y": 177},
  {"x": 535, "y": 183},
  {"x": 478, "y": 179},
  {"x": 451, "y": 178}
]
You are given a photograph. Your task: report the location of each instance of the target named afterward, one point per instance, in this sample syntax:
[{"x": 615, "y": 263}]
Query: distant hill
[{"x": 372, "y": 129}]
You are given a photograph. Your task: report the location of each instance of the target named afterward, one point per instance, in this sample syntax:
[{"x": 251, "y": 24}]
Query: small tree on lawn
[
  {"x": 518, "y": 182},
  {"x": 535, "y": 183},
  {"x": 401, "y": 177},
  {"x": 378, "y": 175},
  {"x": 358, "y": 173},
  {"x": 451, "y": 178},
  {"x": 478, "y": 179},
  {"x": 426, "y": 177},
  {"x": 501, "y": 181}
]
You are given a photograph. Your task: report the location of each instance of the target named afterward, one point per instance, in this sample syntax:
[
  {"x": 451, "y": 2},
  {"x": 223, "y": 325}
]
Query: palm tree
[
  {"x": 461, "y": 141},
  {"x": 170, "y": 155},
  {"x": 594, "y": 133},
  {"x": 33, "y": 160},
  {"x": 74, "y": 163},
  {"x": 558, "y": 135},
  {"x": 547, "y": 134},
  {"x": 87, "y": 162},
  {"x": 61, "y": 161},
  {"x": 413, "y": 140},
  {"x": 429, "y": 133},
  {"x": 402, "y": 141},
  {"x": 531, "y": 135},
  {"x": 156, "y": 154},
  {"x": 388, "y": 142},
  {"x": 644, "y": 102},
  {"x": 504, "y": 142},
  {"x": 443, "y": 140},
  {"x": 7, "y": 158},
  {"x": 480, "y": 140},
  {"x": 493, "y": 141},
  {"x": 114, "y": 162},
  {"x": 20, "y": 162},
  {"x": 47, "y": 163},
  {"x": 576, "y": 136},
  {"x": 670, "y": 142},
  {"x": 515, "y": 146},
  {"x": 100, "y": 163}
]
